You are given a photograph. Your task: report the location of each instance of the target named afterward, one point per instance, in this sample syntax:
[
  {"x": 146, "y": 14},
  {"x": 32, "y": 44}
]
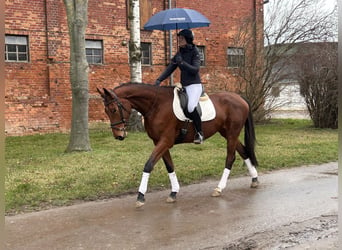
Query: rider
[{"x": 188, "y": 60}]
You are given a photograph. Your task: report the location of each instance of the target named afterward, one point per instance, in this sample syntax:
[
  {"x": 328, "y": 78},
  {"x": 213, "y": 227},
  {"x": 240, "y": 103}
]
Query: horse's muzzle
[{"x": 120, "y": 138}]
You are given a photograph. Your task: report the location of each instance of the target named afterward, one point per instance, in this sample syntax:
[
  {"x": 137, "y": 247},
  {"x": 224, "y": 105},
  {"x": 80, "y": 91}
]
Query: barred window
[
  {"x": 236, "y": 57},
  {"x": 146, "y": 54},
  {"x": 16, "y": 48},
  {"x": 201, "y": 50},
  {"x": 94, "y": 51}
]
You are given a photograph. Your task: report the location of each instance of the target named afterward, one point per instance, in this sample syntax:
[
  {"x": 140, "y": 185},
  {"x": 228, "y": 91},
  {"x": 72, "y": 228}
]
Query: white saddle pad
[{"x": 208, "y": 109}]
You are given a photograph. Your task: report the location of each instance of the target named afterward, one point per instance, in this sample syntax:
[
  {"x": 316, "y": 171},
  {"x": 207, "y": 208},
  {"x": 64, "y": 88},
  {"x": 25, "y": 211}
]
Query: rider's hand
[
  {"x": 157, "y": 82},
  {"x": 178, "y": 58}
]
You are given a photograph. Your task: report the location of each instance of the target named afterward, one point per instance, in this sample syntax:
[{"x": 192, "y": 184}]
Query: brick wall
[{"x": 38, "y": 94}]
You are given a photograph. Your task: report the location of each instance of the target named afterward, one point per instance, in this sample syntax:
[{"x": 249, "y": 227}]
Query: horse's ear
[
  {"x": 108, "y": 93},
  {"x": 101, "y": 93}
]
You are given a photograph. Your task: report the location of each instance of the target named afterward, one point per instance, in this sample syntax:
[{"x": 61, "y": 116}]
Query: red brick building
[{"x": 38, "y": 93}]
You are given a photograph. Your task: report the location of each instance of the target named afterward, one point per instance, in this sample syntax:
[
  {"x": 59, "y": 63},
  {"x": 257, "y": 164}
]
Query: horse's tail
[{"x": 250, "y": 138}]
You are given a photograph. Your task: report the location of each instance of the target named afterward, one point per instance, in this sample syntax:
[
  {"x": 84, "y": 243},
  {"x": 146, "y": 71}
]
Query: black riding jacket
[{"x": 189, "y": 66}]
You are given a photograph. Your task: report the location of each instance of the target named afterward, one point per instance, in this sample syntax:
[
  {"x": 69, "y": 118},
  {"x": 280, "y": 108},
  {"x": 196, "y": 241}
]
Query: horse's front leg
[
  {"x": 172, "y": 176},
  {"x": 157, "y": 153},
  {"x": 231, "y": 147}
]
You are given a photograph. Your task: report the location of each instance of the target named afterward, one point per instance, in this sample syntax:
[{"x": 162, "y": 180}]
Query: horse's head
[{"x": 118, "y": 112}]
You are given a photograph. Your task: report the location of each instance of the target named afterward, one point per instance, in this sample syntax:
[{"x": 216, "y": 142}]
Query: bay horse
[{"x": 155, "y": 104}]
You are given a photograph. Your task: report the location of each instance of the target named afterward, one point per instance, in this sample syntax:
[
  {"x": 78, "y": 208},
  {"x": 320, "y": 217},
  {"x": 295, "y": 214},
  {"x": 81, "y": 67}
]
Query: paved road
[{"x": 291, "y": 208}]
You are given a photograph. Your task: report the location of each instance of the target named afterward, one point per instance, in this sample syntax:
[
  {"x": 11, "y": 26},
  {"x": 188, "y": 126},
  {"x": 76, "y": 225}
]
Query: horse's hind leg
[
  {"x": 172, "y": 176},
  {"x": 251, "y": 168}
]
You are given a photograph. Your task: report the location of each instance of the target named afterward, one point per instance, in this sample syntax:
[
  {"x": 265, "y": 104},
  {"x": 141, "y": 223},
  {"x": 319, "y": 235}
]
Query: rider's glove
[
  {"x": 157, "y": 82},
  {"x": 178, "y": 58}
]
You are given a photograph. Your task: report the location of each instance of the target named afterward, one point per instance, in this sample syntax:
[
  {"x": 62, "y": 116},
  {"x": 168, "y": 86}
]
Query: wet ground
[{"x": 292, "y": 209}]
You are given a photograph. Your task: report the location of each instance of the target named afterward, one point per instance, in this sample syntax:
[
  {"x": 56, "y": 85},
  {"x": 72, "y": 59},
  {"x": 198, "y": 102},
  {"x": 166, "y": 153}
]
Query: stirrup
[{"x": 198, "y": 138}]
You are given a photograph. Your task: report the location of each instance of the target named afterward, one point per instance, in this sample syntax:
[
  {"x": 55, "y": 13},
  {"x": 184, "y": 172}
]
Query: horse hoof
[
  {"x": 172, "y": 197},
  {"x": 139, "y": 204},
  {"x": 217, "y": 192},
  {"x": 170, "y": 200},
  {"x": 254, "y": 184}
]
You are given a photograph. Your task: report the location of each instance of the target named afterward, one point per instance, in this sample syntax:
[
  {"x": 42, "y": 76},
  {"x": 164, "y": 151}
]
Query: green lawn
[{"x": 41, "y": 175}]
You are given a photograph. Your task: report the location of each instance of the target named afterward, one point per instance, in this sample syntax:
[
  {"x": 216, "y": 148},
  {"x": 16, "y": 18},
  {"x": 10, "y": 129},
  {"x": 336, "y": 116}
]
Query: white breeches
[{"x": 194, "y": 92}]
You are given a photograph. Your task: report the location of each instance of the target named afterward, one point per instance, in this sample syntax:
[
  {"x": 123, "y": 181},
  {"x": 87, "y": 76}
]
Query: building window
[
  {"x": 16, "y": 48},
  {"x": 275, "y": 91},
  {"x": 201, "y": 50},
  {"x": 146, "y": 54},
  {"x": 94, "y": 51},
  {"x": 236, "y": 57}
]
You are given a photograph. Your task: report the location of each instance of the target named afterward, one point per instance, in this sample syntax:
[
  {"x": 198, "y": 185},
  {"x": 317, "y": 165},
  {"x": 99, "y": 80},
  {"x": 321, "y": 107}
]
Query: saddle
[{"x": 205, "y": 107}]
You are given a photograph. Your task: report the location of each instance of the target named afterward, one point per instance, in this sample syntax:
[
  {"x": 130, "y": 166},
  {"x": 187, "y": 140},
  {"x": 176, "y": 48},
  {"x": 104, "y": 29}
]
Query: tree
[
  {"x": 317, "y": 76},
  {"x": 285, "y": 26},
  {"x": 134, "y": 42},
  {"x": 77, "y": 11},
  {"x": 135, "y": 123}
]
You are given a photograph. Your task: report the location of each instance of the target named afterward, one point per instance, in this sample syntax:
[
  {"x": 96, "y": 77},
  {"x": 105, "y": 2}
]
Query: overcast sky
[
  {"x": 275, "y": 11},
  {"x": 327, "y": 4}
]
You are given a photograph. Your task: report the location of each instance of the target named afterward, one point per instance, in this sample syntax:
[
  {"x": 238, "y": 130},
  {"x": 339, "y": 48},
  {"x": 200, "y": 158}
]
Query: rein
[{"x": 150, "y": 109}]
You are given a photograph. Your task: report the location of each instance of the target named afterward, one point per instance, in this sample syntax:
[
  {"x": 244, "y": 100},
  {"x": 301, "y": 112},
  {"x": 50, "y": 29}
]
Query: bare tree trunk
[
  {"x": 134, "y": 42},
  {"x": 77, "y": 11},
  {"x": 135, "y": 58}
]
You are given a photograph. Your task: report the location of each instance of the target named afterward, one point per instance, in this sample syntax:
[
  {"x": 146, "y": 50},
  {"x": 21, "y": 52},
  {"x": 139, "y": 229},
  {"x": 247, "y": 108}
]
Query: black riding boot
[{"x": 198, "y": 127}]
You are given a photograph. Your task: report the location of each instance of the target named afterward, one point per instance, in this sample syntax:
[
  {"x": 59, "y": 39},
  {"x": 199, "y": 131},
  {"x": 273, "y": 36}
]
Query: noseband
[{"x": 121, "y": 109}]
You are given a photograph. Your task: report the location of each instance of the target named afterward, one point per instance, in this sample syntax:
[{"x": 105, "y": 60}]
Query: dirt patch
[{"x": 316, "y": 233}]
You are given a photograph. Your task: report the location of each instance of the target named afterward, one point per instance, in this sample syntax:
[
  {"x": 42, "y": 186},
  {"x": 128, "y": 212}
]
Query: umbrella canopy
[{"x": 176, "y": 18}]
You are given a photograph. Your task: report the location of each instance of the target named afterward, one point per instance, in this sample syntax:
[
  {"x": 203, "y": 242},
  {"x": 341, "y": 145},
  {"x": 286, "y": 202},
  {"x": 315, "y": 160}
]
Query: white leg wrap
[
  {"x": 174, "y": 182},
  {"x": 144, "y": 182},
  {"x": 223, "y": 182},
  {"x": 251, "y": 168}
]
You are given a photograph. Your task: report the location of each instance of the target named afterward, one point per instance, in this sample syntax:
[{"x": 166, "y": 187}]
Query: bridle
[
  {"x": 121, "y": 107},
  {"x": 121, "y": 110}
]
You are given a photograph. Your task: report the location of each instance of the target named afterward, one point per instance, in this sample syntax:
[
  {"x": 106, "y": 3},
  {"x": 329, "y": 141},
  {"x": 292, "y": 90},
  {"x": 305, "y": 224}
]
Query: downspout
[
  {"x": 165, "y": 41},
  {"x": 47, "y": 45},
  {"x": 170, "y": 42}
]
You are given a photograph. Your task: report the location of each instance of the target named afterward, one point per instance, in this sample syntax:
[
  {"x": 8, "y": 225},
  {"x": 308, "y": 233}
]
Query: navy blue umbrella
[{"x": 176, "y": 18}]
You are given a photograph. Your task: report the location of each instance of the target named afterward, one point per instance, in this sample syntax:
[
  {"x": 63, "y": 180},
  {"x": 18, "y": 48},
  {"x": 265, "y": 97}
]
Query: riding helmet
[{"x": 188, "y": 35}]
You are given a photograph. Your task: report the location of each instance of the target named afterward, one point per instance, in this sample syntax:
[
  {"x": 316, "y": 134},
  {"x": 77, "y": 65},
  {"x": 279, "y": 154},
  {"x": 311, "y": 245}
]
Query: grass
[{"x": 40, "y": 175}]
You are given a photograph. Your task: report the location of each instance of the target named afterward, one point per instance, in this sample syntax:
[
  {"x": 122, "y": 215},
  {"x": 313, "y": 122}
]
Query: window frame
[
  {"x": 149, "y": 46},
  {"x": 93, "y": 55},
  {"x": 201, "y": 49},
  {"x": 145, "y": 12},
  {"x": 235, "y": 57},
  {"x": 18, "y": 45}
]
